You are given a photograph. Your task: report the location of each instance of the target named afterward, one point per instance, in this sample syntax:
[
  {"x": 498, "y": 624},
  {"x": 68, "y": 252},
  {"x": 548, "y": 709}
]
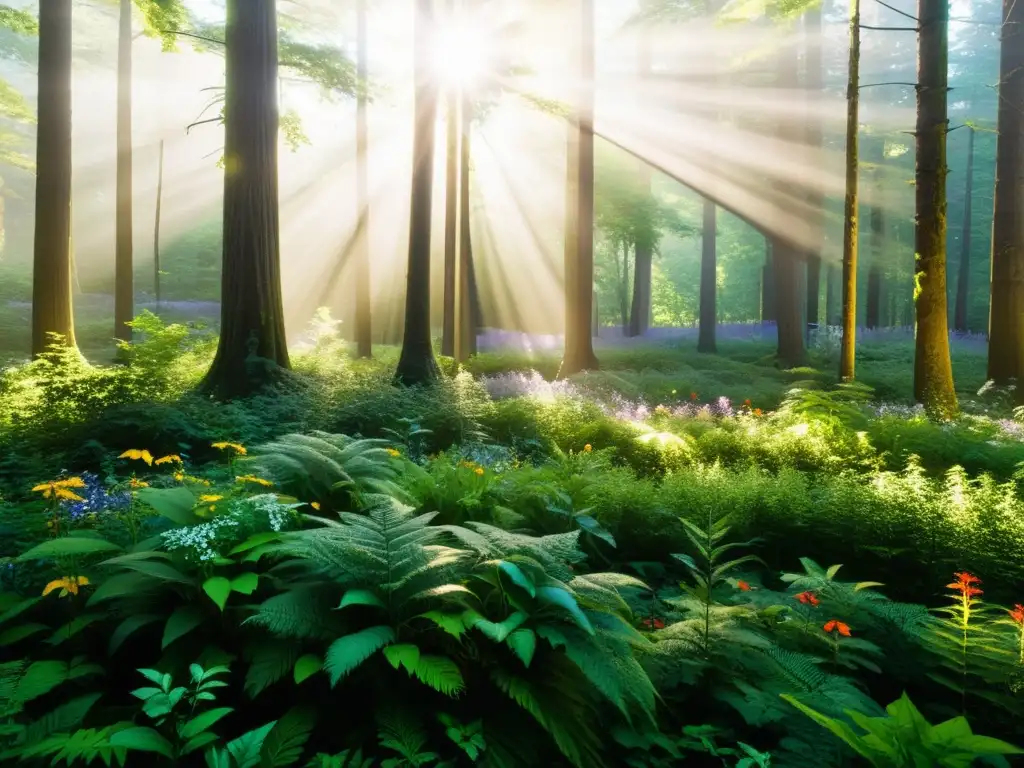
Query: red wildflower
[
  {"x": 747, "y": 402},
  {"x": 1017, "y": 614},
  {"x": 653, "y": 624},
  {"x": 808, "y": 598},
  {"x": 963, "y": 584},
  {"x": 742, "y": 586},
  {"x": 833, "y": 625},
  {"x": 693, "y": 395}
]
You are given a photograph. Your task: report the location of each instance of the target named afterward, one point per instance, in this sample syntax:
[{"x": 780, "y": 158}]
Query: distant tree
[
  {"x": 708, "y": 319},
  {"x": 51, "y": 275},
  {"x": 1006, "y": 323},
  {"x": 579, "y": 228},
  {"x": 253, "y": 344},
  {"x": 876, "y": 224},
  {"x": 848, "y": 350},
  {"x": 933, "y": 371},
  {"x": 416, "y": 364},
  {"x": 451, "y": 205},
  {"x": 963, "y": 276},
  {"x": 364, "y": 321},
  {"x": 814, "y": 84}
]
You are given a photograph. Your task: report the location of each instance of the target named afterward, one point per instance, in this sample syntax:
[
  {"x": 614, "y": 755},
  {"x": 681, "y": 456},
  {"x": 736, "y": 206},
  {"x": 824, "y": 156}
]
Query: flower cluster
[
  {"x": 808, "y": 598},
  {"x": 95, "y": 498},
  {"x": 60, "y": 489},
  {"x": 233, "y": 449},
  {"x": 964, "y": 584},
  {"x": 652, "y": 624},
  {"x": 199, "y": 541},
  {"x": 477, "y": 469},
  {"x": 836, "y": 626},
  {"x": 254, "y": 480},
  {"x": 278, "y": 514}
]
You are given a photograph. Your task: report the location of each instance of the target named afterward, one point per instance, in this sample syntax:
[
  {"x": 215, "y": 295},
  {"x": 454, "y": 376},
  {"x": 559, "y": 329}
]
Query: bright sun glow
[{"x": 462, "y": 54}]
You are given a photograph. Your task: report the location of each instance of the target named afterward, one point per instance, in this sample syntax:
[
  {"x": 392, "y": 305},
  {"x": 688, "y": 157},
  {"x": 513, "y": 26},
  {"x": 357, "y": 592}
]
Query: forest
[{"x": 577, "y": 383}]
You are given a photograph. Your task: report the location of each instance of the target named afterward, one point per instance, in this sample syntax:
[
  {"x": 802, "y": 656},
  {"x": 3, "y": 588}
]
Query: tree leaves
[
  {"x": 283, "y": 745},
  {"x": 143, "y": 740},
  {"x": 218, "y": 588},
  {"x": 66, "y": 547}
]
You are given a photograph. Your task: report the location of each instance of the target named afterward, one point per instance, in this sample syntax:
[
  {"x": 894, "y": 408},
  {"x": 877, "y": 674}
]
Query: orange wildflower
[
  {"x": 964, "y": 584},
  {"x": 808, "y": 598},
  {"x": 1017, "y": 614},
  {"x": 742, "y": 586},
  {"x": 834, "y": 625}
]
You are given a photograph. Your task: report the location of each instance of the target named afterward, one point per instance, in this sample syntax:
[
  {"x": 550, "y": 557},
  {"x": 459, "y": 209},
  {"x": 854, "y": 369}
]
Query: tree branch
[
  {"x": 189, "y": 34},
  {"x": 897, "y": 10},
  {"x": 875, "y": 85},
  {"x": 889, "y": 29},
  {"x": 217, "y": 119}
]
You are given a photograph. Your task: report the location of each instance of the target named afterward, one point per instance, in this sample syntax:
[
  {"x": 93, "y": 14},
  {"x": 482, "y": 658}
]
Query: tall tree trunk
[
  {"x": 877, "y": 226},
  {"x": 156, "y": 225},
  {"x": 579, "y": 251},
  {"x": 364, "y": 317},
  {"x": 253, "y": 344},
  {"x": 467, "y": 299},
  {"x": 124, "y": 282},
  {"x": 831, "y": 311},
  {"x": 624, "y": 289},
  {"x": 768, "y": 283},
  {"x": 848, "y": 348},
  {"x": 416, "y": 364},
  {"x": 786, "y": 257},
  {"x": 933, "y": 371},
  {"x": 51, "y": 272},
  {"x": 451, "y": 209},
  {"x": 643, "y": 247},
  {"x": 960, "y": 312},
  {"x": 708, "y": 279},
  {"x": 1006, "y": 321},
  {"x": 816, "y": 199}
]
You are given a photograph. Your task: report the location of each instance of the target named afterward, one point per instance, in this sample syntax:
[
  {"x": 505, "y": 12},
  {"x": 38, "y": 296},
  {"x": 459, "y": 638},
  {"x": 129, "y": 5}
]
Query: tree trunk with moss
[
  {"x": 933, "y": 371},
  {"x": 363, "y": 312},
  {"x": 253, "y": 347},
  {"x": 124, "y": 278},
  {"x": 51, "y": 274},
  {"x": 848, "y": 347},
  {"x": 416, "y": 364},
  {"x": 960, "y": 311},
  {"x": 1006, "y": 321},
  {"x": 579, "y": 234}
]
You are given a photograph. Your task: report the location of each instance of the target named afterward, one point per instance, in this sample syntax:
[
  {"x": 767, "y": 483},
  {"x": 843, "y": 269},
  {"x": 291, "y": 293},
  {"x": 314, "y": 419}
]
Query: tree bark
[
  {"x": 124, "y": 287},
  {"x": 579, "y": 241},
  {"x": 467, "y": 301},
  {"x": 363, "y": 299},
  {"x": 786, "y": 258},
  {"x": 451, "y": 209},
  {"x": 848, "y": 348},
  {"x": 831, "y": 311},
  {"x": 643, "y": 247},
  {"x": 963, "y": 278},
  {"x": 1006, "y": 320},
  {"x": 253, "y": 346},
  {"x": 708, "y": 314},
  {"x": 933, "y": 371},
  {"x": 814, "y": 82},
  {"x": 51, "y": 276},
  {"x": 768, "y": 283},
  {"x": 416, "y": 364}
]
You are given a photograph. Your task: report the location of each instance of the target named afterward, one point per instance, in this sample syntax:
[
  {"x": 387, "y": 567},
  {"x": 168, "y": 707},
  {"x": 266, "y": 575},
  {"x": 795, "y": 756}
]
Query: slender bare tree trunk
[
  {"x": 816, "y": 200},
  {"x": 643, "y": 247},
  {"x": 933, "y": 371},
  {"x": 451, "y": 209},
  {"x": 364, "y": 317},
  {"x": 708, "y": 315},
  {"x": 417, "y": 365},
  {"x": 156, "y": 224},
  {"x": 876, "y": 223},
  {"x": 1006, "y": 321},
  {"x": 963, "y": 278},
  {"x": 848, "y": 348},
  {"x": 768, "y": 283},
  {"x": 579, "y": 251},
  {"x": 124, "y": 278},
  {"x": 253, "y": 345},
  {"x": 467, "y": 299},
  {"x": 51, "y": 273}
]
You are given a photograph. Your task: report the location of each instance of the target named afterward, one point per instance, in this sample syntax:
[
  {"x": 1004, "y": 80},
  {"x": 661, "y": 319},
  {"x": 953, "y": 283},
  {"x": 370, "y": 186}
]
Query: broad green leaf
[
  {"x": 404, "y": 654},
  {"x": 306, "y": 667},
  {"x": 594, "y": 528},
  {"x": 128, "y": 627},
  {"x": 218, "y": 588},
  {"x": 176, "y": 504},
  {"x": 245, "y": 750},
  {"x": 245, "y": 584},
  {"x": 121, "y": 585},
  {"x": 203, "y": 722},
  {"x": 181, "y": 622},
  {"x": 348, "y": 652},
  {"x": 452, "y": 623},
  {"x": 360, "y": 597},
  {"x": 524, "y": 643},
  {"x": 559, "y": 597},
  {"x": 143, "y": 740},
  {"x": 19, "y": 632},
  {"x": 517, "y": 576},
  {"x": 256, "y": 540},
  {"x": 66, "y": 547},
  {"x": 832, "y": 571},
  {"x": 498, "y": 631},
  {"x": 198, "y": 742}
]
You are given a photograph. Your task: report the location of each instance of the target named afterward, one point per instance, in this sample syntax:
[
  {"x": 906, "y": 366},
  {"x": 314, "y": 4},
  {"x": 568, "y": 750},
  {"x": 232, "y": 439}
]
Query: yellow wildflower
[
  {"x": 254, "y": 479},
  {"x": 479, "y": 471},
  {"x": 208, "y": 498},
  {"x": 66, "y": 584},
  {"x": 172, "y": 459},
  {"x": 315, "y": 505},
  {"x": 58, "y": 489},
  {"x": 224, "y": 446},
  {"x": 136, "y": 454},
  {"x": 179, "y": 476},
  {"x": 588, "y": 448},
  {"x": 393, "y": 453},
  {"x": 136, "y": 483}
]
